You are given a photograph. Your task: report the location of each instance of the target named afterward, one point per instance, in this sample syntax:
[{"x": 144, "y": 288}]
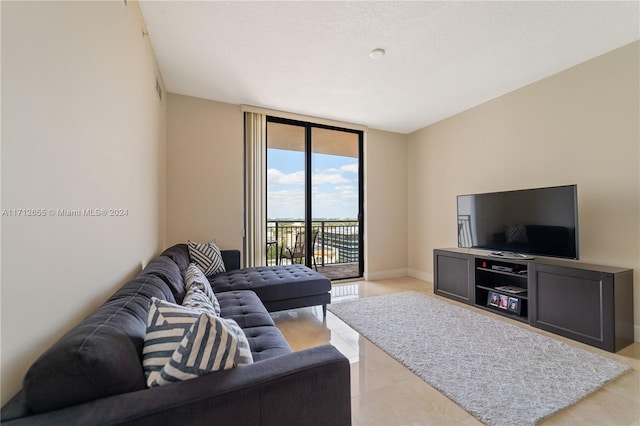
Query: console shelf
[
  {"x": 493, "y": 271},
  {"x": 501, "y": 287},
  {"x": 488, "y": 288},
  {"x": 588, "y": 303}
]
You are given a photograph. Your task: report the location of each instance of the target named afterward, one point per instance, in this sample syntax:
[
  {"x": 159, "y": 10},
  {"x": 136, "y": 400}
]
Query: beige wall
[
  {"x": 205, "y": 167},
  {"x": 82, "y": 128},
  {"x": 579, "y": 126},
  {"x": 385, "y": 158},
  {"x": 205, "y": 188}
]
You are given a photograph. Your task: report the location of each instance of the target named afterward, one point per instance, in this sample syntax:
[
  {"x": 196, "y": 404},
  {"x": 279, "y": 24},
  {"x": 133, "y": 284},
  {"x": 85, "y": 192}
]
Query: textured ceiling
[{"x": 312, "y": 58}]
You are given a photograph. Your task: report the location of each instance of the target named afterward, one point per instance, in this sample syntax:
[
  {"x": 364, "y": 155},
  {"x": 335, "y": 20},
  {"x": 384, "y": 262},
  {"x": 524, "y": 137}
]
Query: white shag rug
[{"x": 499, "y": 373}]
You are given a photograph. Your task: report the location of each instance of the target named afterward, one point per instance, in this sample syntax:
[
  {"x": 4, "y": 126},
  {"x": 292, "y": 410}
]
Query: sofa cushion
[
  {"x": 141, "y": 289},
  {"x": 266, "y": 342},
  {"x": 211, "y": 344},
  {"x": 273, "y": 282},
  {"x": 207, "y": 256},
  {"x": 179, "y": 253},
  {"x": 99, "y": 357},
  {"x": 244, "y": 307},
  {"x": 167, "y": 270}
]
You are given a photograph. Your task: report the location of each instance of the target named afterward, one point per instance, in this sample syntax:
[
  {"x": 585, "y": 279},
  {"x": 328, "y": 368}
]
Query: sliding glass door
[
  {"x": 286, "y": 193},
  {"x": 314, "y": 197}
]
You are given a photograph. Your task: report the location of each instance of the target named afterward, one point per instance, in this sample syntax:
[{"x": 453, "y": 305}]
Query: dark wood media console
[{"x": 589, "y": 303}]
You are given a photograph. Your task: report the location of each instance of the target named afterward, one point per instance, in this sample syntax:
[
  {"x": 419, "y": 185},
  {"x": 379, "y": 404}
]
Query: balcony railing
[{"x": 337, "y": 241}]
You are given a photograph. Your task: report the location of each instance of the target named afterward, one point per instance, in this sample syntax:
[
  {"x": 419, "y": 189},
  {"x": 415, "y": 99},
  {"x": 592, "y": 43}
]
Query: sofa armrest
[
  {"x": 304, "y": 388},
  {"x": 231, "y": 259}
]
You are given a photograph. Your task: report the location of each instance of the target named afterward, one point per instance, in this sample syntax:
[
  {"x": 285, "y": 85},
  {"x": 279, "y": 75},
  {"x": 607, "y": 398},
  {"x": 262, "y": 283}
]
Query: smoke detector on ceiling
[{"x": 377, "y": 53}]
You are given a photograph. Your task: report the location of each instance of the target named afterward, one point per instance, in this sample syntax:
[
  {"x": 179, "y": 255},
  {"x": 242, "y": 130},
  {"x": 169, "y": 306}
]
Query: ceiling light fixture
[{"x": 377, "y": 53}]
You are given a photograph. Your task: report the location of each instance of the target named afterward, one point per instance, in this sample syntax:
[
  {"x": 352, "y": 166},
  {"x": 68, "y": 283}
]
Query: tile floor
[{"x": 386, "y": 393}]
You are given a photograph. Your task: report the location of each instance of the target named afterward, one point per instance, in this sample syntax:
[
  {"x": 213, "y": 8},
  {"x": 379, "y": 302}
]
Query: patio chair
[{"x": 298, "y": 250}]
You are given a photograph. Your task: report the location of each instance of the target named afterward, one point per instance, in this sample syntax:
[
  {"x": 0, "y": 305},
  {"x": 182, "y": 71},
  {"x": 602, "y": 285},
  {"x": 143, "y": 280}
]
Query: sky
[{"x": 334, "y": 185}]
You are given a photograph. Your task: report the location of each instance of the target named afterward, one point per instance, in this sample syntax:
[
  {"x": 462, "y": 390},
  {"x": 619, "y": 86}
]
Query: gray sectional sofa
[
  {"x": 94, "y": 374},
  {"x": 279, "y": 288}
]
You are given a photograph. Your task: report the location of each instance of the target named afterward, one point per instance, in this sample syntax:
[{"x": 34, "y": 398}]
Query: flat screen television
[{"x": 540, "y": 221}]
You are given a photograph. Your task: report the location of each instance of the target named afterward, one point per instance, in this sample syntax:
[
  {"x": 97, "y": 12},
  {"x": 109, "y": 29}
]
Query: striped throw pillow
[
  {"x": 207, "y": 256},
  {"x": 194, "y": 277},
  {"x": 167, "y": 324},
  {"x": 198, "y": 301},
  {"x": 211, "y": 344}
]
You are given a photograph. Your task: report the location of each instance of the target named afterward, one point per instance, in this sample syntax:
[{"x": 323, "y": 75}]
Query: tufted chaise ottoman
[{"x": 278, "y": 287}]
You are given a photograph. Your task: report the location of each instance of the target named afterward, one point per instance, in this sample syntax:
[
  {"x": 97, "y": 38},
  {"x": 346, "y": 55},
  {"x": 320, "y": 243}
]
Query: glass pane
[
  {"x": 285, "y": 192},
  {"x": 334, "y": 195}
]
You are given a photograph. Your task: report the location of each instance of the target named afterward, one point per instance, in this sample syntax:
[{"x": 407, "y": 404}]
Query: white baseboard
[
  {"x": 424, "y": 276},
  {"x": 383, "y": 275},
  {"x": 398, "y": 273}
]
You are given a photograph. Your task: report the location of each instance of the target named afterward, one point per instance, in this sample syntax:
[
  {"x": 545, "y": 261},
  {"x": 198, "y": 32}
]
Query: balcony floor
[{"x": 339, "y": 271}]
